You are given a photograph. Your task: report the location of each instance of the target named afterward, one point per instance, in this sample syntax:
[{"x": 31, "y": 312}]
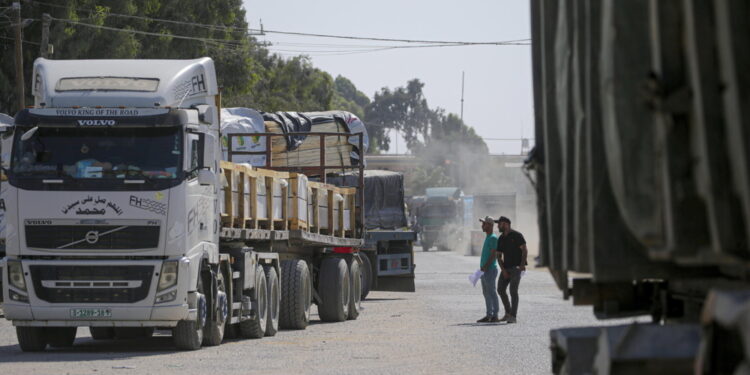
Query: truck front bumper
[
  {"x": 47, "y": 308},
  {"x": 59, "y": 316}
]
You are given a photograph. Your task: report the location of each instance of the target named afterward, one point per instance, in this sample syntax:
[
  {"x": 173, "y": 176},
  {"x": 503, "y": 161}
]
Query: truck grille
[
  {"x": 84, "y": 237},
  {"x": 135, "y": 281}
]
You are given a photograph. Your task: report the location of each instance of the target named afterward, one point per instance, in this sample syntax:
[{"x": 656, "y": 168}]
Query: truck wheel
[
  {"x": 355, "y": 295},
  {"x": 274, "y": 300},
  {"x": 188, "y": 334},
  {"x": 31, "y": 339},
  {"x": 366, "y": 275},
  {"x": 296, "y": 294},
  {"x": 255, "y": 328},
  {"x": 61, "y": 337},
  {"x": 102, "y": 333},
  {"x": 426, "y": 246},
  {"x": 219, "y": 311},
  {"x": 333, "y": 285}
]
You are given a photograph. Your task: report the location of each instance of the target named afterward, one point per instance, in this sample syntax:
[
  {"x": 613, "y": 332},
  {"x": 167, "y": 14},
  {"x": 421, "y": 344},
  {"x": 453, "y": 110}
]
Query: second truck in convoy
[{"x": 123, "y": 217}]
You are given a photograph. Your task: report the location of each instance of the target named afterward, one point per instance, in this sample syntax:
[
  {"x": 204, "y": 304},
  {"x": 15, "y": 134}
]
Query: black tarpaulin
[
  {"x": 384, "y": 197},
  {"x": 291, "y": 122}
]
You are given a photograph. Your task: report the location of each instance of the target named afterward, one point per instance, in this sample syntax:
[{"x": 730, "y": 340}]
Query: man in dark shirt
[{"x": 512, "y": 247}]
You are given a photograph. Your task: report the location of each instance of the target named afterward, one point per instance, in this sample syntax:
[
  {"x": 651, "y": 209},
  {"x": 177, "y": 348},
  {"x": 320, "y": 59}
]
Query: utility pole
[
  {"x": 462, "y": 96},
  {"x": 19, "y": 57},
  {"x": 44, "y": 48}
]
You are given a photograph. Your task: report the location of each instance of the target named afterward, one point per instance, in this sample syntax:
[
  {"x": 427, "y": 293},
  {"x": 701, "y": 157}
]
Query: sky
[{"x": 498, "y": 100}]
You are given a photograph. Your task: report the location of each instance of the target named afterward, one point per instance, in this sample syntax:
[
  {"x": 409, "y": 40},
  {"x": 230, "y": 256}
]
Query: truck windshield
[{"x": 98, "y": 153}]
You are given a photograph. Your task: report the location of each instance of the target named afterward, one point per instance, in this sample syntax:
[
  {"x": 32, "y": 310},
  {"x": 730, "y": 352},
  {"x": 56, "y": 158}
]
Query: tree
[
  {"x": 286, "y": 85},
  {"x": 404, "y": 109},
  {"x": 346, "y": 89}
]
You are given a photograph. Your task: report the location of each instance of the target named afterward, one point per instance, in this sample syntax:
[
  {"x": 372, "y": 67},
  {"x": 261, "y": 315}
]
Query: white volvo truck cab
[{"x": 111, "y": 204}]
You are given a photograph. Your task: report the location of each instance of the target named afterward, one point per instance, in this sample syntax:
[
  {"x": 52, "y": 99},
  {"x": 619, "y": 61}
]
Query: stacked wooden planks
[{"x": 337, "y": 148}]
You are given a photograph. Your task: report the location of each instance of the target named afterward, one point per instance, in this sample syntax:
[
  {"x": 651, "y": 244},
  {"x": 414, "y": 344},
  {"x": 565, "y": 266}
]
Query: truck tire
[
  {"x": 296, "y": 294},
  {"x": 61, "y": 337},
  {"x": 255, "y": 328},
  {"x": 355, "y": 289},
  {"x": 333, "y": 286},
  {"x": 214, "y": 331},
  {"x": 188, "y": 334},
  {"x": 31, "y": 339},
  {"x": 102, "y": 333},
  {"x": 274, "y": 300},
  {"x": 367, "y": 273},
  {"x": 426, "y": 246}
]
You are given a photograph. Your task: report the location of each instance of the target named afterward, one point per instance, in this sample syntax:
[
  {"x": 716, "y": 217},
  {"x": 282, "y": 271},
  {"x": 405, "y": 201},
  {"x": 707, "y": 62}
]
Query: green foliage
[
  {"x": 404, "y": 109},
  {"x": 286, "y": 85},
  {"x": 346, "y": 97},
  {"x": 346, "y": 89}
]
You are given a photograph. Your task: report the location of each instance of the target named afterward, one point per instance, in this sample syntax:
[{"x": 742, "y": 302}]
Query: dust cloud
[{"x": 497, "y": 186}]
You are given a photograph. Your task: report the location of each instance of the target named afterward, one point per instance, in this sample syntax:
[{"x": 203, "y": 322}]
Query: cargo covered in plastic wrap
[
  {"x": 293, "y": 150},
  {"x": 254, "y": 198},
  {"x": 384, "y": 197}
]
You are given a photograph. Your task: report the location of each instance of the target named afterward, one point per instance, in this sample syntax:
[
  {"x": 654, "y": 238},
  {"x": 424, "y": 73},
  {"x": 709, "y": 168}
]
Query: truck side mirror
[
  {"x": 207, "y": 144},
  {"x": 206, "y": 177}
]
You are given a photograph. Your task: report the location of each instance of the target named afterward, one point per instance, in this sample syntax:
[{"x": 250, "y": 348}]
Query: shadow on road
[
  {"x": 478, "y": 324},
  {"x": 382, "y": 299},
  {"x": 86, "y": 349}
]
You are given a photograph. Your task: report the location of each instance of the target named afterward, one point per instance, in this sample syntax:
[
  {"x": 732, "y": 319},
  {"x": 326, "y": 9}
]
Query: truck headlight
[
  {"x": 168, "y": 276},
  {"x": 167, "y": 297},
  {"x": 18, "y": 297},
  {"x": 15, "y": 275}
]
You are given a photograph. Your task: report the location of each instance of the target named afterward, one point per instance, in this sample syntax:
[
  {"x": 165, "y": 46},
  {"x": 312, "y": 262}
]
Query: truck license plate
[{"x": 90, "y": 313}]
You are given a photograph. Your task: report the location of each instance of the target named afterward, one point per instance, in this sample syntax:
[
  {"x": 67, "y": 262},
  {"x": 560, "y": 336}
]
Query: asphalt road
[{"x": 430, "y": 331}]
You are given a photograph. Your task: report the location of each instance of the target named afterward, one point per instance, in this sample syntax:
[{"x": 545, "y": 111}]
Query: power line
[
  {"x": 392, "y": 39},
  {"x": 249, "y": 31}
]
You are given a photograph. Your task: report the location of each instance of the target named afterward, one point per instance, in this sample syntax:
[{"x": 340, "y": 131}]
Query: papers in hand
[{"x": 474, "y": 277}]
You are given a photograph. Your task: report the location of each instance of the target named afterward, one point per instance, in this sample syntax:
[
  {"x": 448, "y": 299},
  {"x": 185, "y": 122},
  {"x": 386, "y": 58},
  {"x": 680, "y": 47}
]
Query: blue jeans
[{"x": 491, "y": 301}]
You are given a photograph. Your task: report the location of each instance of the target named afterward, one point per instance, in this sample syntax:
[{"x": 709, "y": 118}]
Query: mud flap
[{"x": 395, "y": 273}]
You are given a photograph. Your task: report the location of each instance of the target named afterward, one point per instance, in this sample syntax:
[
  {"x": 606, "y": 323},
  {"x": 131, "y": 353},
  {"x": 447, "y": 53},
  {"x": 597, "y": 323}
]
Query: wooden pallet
[
  {"x": 289, "y": 202},
  {"x": 241, "y": 208}
]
